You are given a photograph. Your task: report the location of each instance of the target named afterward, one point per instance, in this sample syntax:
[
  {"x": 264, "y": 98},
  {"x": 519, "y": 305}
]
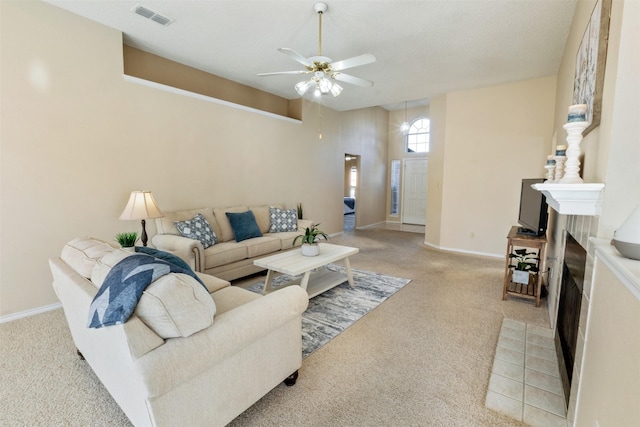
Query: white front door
[{"x": 414, "y": 194}]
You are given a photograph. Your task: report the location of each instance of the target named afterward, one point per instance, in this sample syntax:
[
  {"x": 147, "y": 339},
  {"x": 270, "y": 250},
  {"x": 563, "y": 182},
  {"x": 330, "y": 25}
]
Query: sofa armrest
[
  {"x": 231, "y": 332},
  {"x": 190, "y": 250}
]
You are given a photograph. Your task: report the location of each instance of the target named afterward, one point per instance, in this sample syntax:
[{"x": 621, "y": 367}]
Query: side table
[{"x": 532, "y": 289}]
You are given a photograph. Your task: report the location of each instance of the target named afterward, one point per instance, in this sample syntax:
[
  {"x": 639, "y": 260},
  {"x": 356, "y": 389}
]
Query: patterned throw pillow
[
  {"x": 283, "y": 220},
  {"x": 198, "y": 228}
]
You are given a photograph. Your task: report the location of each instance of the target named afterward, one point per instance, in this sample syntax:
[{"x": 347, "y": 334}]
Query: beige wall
[
  {"x": 77, "y": 138},
  {"x": 490, "y": 139},
  {"x": 610, "y": 386},
  {"x": 435, "y": 173}
]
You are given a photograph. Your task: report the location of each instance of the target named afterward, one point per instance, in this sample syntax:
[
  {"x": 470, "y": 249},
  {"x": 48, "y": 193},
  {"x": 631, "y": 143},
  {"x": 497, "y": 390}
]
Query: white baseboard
[
  {"x": 27, "y": 313},
  {"x": 364, "y": 227},
  {"x": 463, "y": 251}
]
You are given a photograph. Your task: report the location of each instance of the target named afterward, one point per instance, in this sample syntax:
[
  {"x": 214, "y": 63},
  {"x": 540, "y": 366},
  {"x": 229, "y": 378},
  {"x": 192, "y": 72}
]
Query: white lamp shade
[
  {"x": 141, "y": 205},
  {"x": 302, "y": 87}
]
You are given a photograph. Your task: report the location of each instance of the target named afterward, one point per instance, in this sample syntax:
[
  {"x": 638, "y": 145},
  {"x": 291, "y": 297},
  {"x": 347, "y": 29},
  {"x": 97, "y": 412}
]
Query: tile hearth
[{"x": 525, "y": 382}]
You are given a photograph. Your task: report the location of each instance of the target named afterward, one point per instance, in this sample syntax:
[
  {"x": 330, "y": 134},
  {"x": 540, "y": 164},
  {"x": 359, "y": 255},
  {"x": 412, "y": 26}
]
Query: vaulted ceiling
[{"x": 424, "y": 48}]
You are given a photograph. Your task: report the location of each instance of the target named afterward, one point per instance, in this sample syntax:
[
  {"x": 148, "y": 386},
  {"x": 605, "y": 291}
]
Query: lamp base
[{"x": 143, "y": 236}]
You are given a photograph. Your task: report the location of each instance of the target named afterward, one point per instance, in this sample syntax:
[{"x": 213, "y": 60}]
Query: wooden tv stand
[{"x": 533, "y": 289}]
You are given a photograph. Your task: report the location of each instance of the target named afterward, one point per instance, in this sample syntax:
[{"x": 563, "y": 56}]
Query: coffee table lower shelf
[
  {"x": 310, "y": 272},
  {"x": 319, "y": 281}
]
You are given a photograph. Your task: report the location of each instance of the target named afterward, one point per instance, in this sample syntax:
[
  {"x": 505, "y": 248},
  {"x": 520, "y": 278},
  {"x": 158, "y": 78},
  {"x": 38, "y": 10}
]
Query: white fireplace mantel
[{"x": 573, "y": 199}]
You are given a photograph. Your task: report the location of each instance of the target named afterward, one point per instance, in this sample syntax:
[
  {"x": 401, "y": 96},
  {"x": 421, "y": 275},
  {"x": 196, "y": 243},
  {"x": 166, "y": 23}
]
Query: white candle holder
[
  {"x": 550, "y": 170},
  {"x": 559, "y": 167},
  {"x": 572, "y": 167}
]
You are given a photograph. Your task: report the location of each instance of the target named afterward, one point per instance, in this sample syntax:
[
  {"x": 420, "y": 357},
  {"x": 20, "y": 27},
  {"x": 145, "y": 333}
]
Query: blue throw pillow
[
  {"x": 244, "y": 225},
  {"x": 165, "y": 256}
]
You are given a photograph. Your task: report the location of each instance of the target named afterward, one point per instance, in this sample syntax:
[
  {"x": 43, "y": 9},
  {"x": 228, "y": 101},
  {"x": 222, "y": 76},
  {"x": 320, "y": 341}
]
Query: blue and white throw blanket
[{"x": 122, "y": 288}]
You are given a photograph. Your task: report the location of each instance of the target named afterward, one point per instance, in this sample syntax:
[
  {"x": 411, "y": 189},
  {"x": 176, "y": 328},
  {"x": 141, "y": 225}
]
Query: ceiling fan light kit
[{"x": 323, "y": 70}]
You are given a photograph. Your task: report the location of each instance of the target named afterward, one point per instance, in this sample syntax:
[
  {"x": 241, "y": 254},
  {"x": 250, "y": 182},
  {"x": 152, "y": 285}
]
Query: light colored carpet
[
  {"x": 421, "y": 358},
  {"x": 333, "y": 311}
]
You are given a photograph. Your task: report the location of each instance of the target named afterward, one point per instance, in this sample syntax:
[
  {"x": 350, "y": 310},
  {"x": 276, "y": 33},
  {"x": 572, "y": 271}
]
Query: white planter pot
[
  {"x": 520, "y": 276},
  {"x": 310, "y": 250}
]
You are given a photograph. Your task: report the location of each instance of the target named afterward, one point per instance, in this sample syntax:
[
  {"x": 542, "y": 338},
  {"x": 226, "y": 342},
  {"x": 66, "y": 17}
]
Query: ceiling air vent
[{"x": 150, "y": 14}]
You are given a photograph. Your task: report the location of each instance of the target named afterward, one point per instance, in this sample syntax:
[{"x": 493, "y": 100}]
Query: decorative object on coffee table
[
  {"x": 142, "y": 206},
  {"x": 310, "y": 240}
]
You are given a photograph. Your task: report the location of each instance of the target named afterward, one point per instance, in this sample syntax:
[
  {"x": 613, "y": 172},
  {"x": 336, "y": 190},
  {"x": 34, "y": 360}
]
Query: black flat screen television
[{"x": 533, "y": 215}]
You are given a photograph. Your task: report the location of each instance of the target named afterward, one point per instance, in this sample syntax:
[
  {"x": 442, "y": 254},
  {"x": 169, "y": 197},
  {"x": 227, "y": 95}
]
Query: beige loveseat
[
  {"x": 244, "y": 344},
  {"x": 227, "y": 259}
]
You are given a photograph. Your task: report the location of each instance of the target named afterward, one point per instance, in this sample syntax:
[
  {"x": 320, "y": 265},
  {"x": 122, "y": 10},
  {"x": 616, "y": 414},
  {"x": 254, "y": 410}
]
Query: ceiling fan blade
[
  {"x": 284, "y": 72},
  {"x": 356, "y": 61},
  {"x": 296, "y": 56},
  {"x": 347, "y": 78}
]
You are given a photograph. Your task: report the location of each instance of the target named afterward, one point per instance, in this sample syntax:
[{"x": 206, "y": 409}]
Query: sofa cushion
[
  {"x": 244, "y": 225},
  {"x": 262, "y": 246},
  {"x": 82, "y": 254},
  {"x": 226, "y": 233},
  {"x": 262, "y": 215},
  {"x": 282, "y": 220},
  {"x": 198, "y": 228},
  {"x": 176, "y": 305},
  {"x": 165, "y": 256},
  {"x": 286, "y": 239},
  {"x": 224, "y": 253},
  {"x": 231, "y": 297}
]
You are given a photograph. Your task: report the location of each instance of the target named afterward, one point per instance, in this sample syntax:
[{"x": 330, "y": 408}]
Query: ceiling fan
[{"x": 324, "y": 71}]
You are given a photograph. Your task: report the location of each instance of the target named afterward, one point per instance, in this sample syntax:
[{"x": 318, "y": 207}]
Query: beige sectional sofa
[
  {"x": 227, "y": 259},
  {"x": 188, "y": 355}
]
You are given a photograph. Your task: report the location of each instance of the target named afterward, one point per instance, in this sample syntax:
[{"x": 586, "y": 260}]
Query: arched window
[{"x": 418, "y": 136}]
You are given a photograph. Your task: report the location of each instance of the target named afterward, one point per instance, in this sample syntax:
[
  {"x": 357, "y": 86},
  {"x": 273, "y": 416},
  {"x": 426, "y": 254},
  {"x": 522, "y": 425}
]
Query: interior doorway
[
  {"x": 414, "y": 191},
  {"x": 350, "y": 191}
]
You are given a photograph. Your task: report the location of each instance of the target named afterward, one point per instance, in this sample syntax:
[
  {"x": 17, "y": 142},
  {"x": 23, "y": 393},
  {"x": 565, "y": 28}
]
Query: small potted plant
[
  {"x": 127, "y": 240},
  {"x": 310, "y": 240},
  {"x": 525, "y": 263}
]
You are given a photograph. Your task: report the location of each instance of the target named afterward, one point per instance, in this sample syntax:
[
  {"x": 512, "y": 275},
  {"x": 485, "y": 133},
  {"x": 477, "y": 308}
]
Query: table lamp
[{"x": 141, "y": 206}]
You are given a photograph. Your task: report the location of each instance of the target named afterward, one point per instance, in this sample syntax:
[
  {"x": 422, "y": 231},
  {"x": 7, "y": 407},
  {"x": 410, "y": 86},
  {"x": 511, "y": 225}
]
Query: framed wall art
[{"x": 590, "y": 63}]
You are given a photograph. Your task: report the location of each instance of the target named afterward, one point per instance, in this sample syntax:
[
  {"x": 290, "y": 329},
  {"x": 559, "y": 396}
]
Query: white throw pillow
[{"x": 176, "y": 305}]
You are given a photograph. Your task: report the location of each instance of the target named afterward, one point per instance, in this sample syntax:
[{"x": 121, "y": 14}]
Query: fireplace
[{"x": 569, "y": 304}]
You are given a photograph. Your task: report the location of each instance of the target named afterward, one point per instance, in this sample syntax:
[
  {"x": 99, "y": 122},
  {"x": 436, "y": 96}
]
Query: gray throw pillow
[
  {"x": 283, "y": 220},
  {"x": 198, "y": 228}
]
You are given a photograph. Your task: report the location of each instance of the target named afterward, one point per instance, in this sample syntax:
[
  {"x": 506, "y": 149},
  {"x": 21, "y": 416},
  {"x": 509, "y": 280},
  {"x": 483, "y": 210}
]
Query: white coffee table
[{"x": 294, "y": 263}]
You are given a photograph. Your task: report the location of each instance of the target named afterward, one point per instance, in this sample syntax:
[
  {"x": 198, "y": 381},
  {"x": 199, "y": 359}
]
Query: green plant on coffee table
[
  {"x": 525, "y": 261},
  {"x": 311, "y": 235},
  {"x": 127, "y": 240}
]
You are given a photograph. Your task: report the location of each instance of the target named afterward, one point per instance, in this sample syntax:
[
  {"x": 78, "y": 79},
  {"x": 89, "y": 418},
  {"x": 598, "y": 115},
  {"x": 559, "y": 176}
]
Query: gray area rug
[{"x": 335, "y": 310}]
